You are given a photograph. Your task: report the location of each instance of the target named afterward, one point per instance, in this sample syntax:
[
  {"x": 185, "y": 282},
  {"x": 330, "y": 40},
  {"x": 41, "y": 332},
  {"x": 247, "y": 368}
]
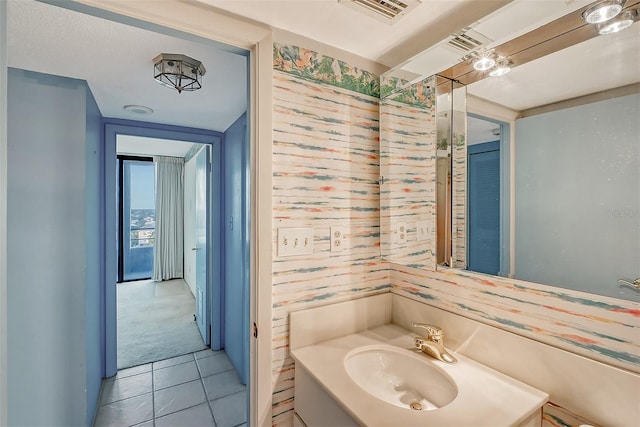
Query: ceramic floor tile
[
  {"x": 126, "y": 412},
  {"x": 173, "y": 361},
  {"x": 123, "y": 388},
  {"x": 145, "y": 424},
  {"x": 230, "y": 411},
  {"x": 214, "y": 364},
  {"x": 207, "y": 353},
  {"x": 174, "y": 375},
  {"x": 196, "y": 416},
  {"x": 179, "y": 397},
  {"x": 129, "y": 372},
  {"x": 222, "y": 384}
]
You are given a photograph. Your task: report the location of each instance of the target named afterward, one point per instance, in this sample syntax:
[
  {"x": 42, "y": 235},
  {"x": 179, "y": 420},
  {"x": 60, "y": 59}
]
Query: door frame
[
  {"x": 113, "y": 128},
  {"x": 196, "y": 22}
]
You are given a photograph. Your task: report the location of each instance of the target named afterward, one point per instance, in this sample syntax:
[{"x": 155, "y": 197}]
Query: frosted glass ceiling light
[
  {"x": 624, "y": 20},
  {"x": 603, "y": 11},
  {"x": 484, "y": 63},
  {"x": 178, "y": 72}
]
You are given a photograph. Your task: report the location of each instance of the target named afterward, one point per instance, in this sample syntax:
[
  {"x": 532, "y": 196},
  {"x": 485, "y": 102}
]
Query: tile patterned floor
[{"x": 197, "y": 389}]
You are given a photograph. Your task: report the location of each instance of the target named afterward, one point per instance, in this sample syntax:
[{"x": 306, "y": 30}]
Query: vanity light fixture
[
  {"x": 502, "y": 67},
  {"x": 603, "y": 10},
  {"x": 484, "y": 63},
  {"x": 619, "y": 23},
  {"x": 178, "y": 72}
]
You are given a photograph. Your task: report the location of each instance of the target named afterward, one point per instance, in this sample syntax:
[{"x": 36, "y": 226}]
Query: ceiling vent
[
  {"x": 388, "y": 11},
  {"x": 468, "y": 41}
]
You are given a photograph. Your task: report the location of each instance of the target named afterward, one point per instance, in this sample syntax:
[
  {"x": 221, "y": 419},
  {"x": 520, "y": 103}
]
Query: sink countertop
[{"x": 490, "y": 399}]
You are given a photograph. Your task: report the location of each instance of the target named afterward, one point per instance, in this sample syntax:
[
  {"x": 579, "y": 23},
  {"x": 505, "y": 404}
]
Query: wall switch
[
  {"x": 337, "y": 239},
  {"x": 295, "y": 241},
  {"x": 402, "y": 233},
  {"x": 422, "y": 230}
]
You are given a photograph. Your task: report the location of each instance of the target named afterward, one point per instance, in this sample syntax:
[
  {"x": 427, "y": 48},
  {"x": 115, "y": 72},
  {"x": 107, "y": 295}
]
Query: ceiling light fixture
[
  {"x": 138, "y": 109},
  {"x": 178, "y": 72},
  {"x": 602, "y": 11},
  {"x": 622, "y": 21},
  {"x": 484, "y": 63},
  {"x": 502, "y": 67}
]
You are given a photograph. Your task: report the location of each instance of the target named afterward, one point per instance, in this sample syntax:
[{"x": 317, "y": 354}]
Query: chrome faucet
[{"x": 433, "y": 343}]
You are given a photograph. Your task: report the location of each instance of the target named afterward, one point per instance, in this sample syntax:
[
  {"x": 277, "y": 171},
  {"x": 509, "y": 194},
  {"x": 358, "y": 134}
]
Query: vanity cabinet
[{"x": 315, "y": 407}]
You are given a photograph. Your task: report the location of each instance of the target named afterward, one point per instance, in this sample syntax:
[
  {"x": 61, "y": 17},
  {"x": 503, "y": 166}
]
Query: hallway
[{"x": 197, "y": 389}]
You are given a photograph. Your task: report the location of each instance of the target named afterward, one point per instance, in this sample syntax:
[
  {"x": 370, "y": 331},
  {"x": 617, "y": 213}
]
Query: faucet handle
[{"x": 433, "y": 332}]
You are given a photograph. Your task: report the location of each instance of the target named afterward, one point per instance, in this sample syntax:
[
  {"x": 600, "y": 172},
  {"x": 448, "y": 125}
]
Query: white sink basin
[{"x": 400, "y": 377}]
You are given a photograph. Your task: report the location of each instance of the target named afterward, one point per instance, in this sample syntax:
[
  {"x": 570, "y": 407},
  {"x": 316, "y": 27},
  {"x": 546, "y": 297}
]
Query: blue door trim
[{"x": 112, "y": 128}]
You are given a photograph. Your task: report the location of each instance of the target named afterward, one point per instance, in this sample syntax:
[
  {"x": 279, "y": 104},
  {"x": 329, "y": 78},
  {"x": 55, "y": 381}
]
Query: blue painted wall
[
  {"x": 578, "y": 196},
  {"x": 53, "y": 250},
  {"x": 94, "y": 243},
  {"x": 236, "y": 265}
]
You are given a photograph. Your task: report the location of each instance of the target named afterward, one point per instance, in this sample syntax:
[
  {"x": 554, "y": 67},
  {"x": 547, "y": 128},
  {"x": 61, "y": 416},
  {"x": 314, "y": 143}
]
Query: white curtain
[{"x": 168, "y": 247}]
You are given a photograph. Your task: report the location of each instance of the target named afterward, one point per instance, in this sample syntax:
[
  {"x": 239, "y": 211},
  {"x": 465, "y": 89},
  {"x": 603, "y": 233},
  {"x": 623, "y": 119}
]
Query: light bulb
[
  {"x": 484, "y": 63},
  {"x": 603, "y": 11},
  {"x": 618, "y": 24}
]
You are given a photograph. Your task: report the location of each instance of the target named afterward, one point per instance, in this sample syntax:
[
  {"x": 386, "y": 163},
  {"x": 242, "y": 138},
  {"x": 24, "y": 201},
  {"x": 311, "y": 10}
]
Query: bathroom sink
[{"x": 399, "y": 377}]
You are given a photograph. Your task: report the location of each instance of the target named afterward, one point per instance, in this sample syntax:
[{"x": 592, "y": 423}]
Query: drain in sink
[{"x": 416, "y": 406}]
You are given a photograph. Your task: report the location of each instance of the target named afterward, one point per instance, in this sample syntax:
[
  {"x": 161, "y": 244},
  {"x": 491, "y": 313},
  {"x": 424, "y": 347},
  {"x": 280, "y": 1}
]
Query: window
[{"x": 137, "y": 217}]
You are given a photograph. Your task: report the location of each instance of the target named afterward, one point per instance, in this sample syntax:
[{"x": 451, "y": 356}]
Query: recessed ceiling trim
[{"x": 388, "y": 11}]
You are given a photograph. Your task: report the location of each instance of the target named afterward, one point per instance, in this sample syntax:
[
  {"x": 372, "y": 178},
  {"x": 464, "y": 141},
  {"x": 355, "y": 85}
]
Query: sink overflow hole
[{"x": 416, "y": 406}]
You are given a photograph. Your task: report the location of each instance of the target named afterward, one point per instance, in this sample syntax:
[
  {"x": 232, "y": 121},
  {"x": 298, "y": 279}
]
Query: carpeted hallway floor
[{"x": 155, "y": 322}]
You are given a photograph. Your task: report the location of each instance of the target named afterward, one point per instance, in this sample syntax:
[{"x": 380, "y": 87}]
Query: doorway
[{"x": 162, "y": 249}]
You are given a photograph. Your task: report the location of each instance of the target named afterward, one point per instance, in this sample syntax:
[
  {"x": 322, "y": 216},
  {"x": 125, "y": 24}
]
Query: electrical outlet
[
  {"x": 402, "y": 233},
  {"x": 422, "y": 230},
  {"x": 295, "y": 241},
  {"x": 338, "y": 238}
]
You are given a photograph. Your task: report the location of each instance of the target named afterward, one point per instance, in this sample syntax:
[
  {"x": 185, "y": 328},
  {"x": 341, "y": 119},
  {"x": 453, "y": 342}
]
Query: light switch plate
[
  {"x": 422, "y": 230},
  {"x": 338, "y": 239},
  {"x": 295, "y": 241},
  {"x": 402, "y": 233}
]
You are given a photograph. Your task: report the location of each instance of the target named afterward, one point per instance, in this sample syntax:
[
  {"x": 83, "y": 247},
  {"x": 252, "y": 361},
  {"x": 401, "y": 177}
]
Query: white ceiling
[
  {"x": 117, "y": 62},
  {"x": 116, "y": 59},
  {"x": 335, "y": 24}
]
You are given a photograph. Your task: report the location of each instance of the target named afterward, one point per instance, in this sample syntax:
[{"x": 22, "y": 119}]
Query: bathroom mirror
[{"x": 568, "y": 174}]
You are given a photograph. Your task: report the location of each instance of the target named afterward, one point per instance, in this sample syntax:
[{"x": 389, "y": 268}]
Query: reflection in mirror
[
  {"x": 488, "y": 196},
  {"x": 576, "y": 163},
  {"x": 450, "y": 173},
  {"x": 568, "y": 158},
  {"x": 407, "y": 171}
]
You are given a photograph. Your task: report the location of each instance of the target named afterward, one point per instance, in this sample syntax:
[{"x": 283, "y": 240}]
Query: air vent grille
[
  {"x": 468, "y": 40},
  {"x": 384, "y": 10}
]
